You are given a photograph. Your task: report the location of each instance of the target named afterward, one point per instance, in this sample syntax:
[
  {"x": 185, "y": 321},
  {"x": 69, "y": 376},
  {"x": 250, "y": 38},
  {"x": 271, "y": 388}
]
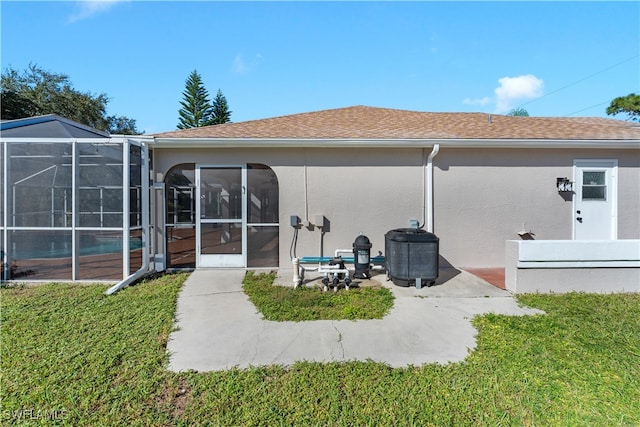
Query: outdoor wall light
[{"x": 564, "y": 185}]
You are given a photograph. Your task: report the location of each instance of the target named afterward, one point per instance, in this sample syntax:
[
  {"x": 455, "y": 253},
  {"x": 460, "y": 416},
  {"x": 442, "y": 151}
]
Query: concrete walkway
[{"x": 217, "y": 328}]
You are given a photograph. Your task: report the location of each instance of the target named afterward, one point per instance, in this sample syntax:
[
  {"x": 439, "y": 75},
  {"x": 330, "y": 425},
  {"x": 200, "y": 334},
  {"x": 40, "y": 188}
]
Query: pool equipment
[{"x": 334, "y": 268}]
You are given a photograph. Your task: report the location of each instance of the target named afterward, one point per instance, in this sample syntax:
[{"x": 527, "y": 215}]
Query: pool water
[{"x": 96, "y": 247}]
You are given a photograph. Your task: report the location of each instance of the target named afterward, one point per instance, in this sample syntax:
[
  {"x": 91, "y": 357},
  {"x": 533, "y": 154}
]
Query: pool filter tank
[{"x": 362, "y": 257}]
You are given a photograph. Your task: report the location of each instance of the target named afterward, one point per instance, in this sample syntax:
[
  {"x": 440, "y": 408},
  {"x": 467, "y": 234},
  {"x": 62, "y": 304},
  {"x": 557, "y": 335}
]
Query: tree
[
  {"x": 196, "y": 109},
  {"x": 220, "y": 111},
  {"x": 518, "y": 112},
  {"x": 36, "y": 92},
  {"x": 629, "y": 104},
  {"x": 122, "y": 125}
]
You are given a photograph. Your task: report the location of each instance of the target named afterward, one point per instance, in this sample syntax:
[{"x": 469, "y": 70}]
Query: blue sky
[{"x": 276, "y": 58}]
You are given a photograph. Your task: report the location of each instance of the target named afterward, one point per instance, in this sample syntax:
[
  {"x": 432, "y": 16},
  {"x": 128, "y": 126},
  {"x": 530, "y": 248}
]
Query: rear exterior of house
[{"x": 256, "y": 194}]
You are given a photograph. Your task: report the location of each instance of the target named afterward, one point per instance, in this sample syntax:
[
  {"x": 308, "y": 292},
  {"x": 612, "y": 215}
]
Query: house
[{"x": 256, "y": 194}]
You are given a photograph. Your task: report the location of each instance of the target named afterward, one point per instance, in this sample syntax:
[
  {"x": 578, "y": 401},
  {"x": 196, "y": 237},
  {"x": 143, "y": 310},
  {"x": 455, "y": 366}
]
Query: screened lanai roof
[{"x": 49, "y": 126}]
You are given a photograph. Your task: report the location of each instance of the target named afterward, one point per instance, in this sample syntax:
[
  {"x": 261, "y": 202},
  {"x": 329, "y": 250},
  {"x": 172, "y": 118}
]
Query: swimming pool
[{"x": 54, "y": 249}]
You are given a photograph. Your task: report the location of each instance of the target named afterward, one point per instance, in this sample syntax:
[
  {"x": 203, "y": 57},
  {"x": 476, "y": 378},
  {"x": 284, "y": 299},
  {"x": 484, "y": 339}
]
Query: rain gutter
[{"x": 391, "y": 143}]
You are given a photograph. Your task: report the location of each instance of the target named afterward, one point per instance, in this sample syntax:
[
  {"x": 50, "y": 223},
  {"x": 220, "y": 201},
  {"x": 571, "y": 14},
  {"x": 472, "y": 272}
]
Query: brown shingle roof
[{"x": 362, "y": 122}]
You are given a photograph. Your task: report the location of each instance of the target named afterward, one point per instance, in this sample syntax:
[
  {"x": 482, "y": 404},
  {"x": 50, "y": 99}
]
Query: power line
[
  {"x": 580, "y": 81},
  {"x": 585, "y": 109}
]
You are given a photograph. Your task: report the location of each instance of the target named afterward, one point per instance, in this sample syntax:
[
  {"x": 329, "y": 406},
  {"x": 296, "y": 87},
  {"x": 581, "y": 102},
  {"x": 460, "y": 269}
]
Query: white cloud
[
  {"x": 242, "y": 66},
  {"x": 89, "y": 8},
  {"x": 513, "y": 90}
]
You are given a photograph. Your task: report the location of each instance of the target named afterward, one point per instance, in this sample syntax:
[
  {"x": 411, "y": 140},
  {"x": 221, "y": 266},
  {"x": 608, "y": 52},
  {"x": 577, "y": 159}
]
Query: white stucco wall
[{"x": 483, "y": 197}]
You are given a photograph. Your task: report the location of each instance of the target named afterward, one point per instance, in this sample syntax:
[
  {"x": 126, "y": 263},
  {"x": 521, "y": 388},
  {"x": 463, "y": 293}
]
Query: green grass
[
  {"x": 102, "y": 361},
  {"x": 70, "y": 348},
  {"x": 282, "y": 303}
]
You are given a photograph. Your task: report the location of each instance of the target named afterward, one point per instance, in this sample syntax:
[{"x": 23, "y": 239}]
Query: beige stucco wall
[
  {"x": 483, "y": 197},
  {"x": 367, "y": 192}
]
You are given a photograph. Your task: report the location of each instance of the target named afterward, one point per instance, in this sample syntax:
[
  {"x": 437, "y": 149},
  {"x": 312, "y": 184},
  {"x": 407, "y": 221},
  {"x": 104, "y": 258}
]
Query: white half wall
[{"x": 559, "y": 266}]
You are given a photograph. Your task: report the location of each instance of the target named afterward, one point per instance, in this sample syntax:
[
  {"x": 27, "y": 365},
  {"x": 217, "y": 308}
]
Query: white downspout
[{"x": 429, "y": 187}]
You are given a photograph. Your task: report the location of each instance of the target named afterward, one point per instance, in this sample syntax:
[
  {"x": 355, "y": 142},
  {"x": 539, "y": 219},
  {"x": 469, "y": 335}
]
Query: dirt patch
[{"x": 175, "y": 397}]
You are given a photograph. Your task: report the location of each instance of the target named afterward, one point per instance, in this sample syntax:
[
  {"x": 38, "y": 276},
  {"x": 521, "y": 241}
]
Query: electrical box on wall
[
  {"x": 319, "y": 221},
  {"x": 294, "y": 220}
]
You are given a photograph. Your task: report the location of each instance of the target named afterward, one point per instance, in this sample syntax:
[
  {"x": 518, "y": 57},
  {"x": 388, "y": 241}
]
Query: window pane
[
  {"x": 40, "y": 255},
  {"x": 112, "y": 200},
  {"x": 135, "y": 166},
  {"x": 33, "y": 207},
  {"x": 39, "y": 178},
  {"x": 100, "y": 164},
  {"x": 594, "y": 193},
  {"x": 217, "y": 239},
  {"x": 593, "y": 178},
  {"x": 135, "y": 214},
  {"x": 100, "y": 207},
  {"x": 180, "y": 184},
  {"x": 181, "y": 240},
  {"x": 181, "y": 247},
  {"x": 112, "y": 220},
  {"x": 100, "y": 185},
  {"x": 100, "y": 255},
  {"x": 180, "y": 206},
  {"x": 262, "y": 246},
  {"x": 135, "y": 252},
  {"x": 135, "y": 185},
  {"x": 262, "y": 200},
  {"x": 220, "y": 193}
]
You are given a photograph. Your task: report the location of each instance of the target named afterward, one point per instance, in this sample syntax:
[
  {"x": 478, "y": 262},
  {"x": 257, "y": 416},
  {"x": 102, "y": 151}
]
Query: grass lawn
[
  {"x": 281, "y": 303},
  {"x": 78, "y": 357}
]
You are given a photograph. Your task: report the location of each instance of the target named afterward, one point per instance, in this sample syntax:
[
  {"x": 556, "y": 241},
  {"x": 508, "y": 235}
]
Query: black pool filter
[
  {"x": 411, "y": 256},
  {"x": 362, "y": 257}
]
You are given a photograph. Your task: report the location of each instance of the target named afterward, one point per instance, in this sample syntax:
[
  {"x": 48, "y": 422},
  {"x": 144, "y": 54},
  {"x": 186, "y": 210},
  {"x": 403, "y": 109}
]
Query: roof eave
[{"x": 389, "y": 143}]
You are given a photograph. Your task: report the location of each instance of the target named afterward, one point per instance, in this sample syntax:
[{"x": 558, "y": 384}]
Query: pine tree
[
  {"x": 220, "y": 110},
  {"x": 629, "y": 105},
  {"x": 196, "y": 109}
]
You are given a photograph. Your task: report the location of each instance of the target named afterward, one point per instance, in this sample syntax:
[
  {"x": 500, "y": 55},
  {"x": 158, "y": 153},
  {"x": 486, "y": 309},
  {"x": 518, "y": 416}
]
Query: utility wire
[
  {"x": 585, "y": 109},
  {"x": 580, "y": 81}
]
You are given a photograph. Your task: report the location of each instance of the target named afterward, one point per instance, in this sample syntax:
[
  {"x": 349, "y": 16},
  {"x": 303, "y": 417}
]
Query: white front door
[
  {"x": 221, "y": 216},
  {"x": 595, "y": 202}
]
